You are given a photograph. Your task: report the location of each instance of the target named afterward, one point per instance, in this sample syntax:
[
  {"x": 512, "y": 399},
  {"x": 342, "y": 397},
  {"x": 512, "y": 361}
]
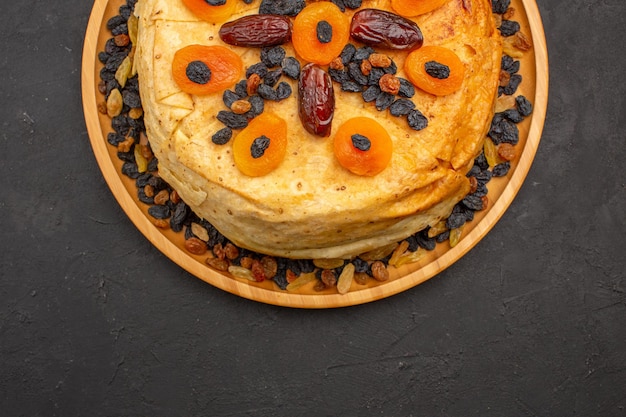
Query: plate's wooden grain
[{"x": 502, "y": 191}]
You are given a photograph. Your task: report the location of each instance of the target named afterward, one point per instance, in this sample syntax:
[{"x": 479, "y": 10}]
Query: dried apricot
[
  {"x": 320, "y": 32},
  {"x": 363, "y": 146},
  {"x": 435, "y": 69},
  {"x": 211, "y": 13},
  {"x": 260, "y": 148},
  {"x": 410, "y": 8},
  {"x": 200, "y": 69}
]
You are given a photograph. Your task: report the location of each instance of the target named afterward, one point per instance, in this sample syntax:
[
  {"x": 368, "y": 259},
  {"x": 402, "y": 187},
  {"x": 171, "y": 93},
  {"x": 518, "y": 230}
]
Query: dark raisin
[
  {"x": 353, "y": 4},
  {"x": 120, "y": 124},
  {"x": 126, "y": 156},
  {"x": 232, "y": 120},
  {"x": 283, "y": 91},
  {"x": 371, "y": 93},
  {"x": 437, "y": 70},
  {"x": 157, "y": 183},
  {"x": 500, "y": 6},
  {"x": 339, "y": 76},
  {"x": 103, "y": 57},
  {"x": 416, "y": 120},
  {"x": 375, "y": 75},
  {"x": 153, "y": 165},
  {"x": 406, "y": 88},
  {"x": 141, "y": 196},
  {"x": 222, "y": 136},
  {"x": 524, "y": 106},
  {"x": 107, "y": 75},
  {"x": 360, "y": 265},
  {"x": 401, "y": 107},
  {"x": 273, "y": 56},
  {"x": 229, "y": 97},
  {"x": 351, "y": 87},
  {"x": 361, "y": 142},
  {"x": 258, "y": 105},
  {"x": 362, "y": 53},
  {"x": 324, "y": 31},
  {"x": 347, "y": 53},
  {"x": 424, "y": 241},
  {"x": 272, "y": 77},
  {"x": 125, "y": 11},
  {"x": 181, "y": 211},
  {"x": 475, "y": 170},
  {"x": 501, "y": 170},
  {"x": 509, "y": 27},
  {"x": 455, "y": 220},
  {"x": 131, "y": 98},
  {"x": 513, "y": 115},
  {"x": 473, "y": 202},
  {"x": 189, "y": 233},
  {"x": 259, "y": 146},
  {"x": 511, "y": 87},
  {"x": 503, "y": 130},
  {"x": 130, "y": 170},
  {"x": 267, "y": 92},
  {"x": 354, "y": 69},
  {"x": 115, "y": 21},
  {"x": 216, "y": 2},
  {"x": 282, "y": 7},
  {"x": 115, "y": 138},
  {"x": 259, "y": 68},
  {"x": 291, "y": 67},
  {"x": 509, "y": 64},
  {"x": 143, "y": 179},
  {"x": 281, "y": 279},
  {"x": 391, "y": 69},
  {"x": 241, "y": 89},
  {"x": 384, "y": 101},
  {"x": 442, "y": 237},
  {"x": 160, "y": 211},
  {"x": 339, "y": 3},
  {"x": 481, "y": 190},
  {"x": 198, "y": 72}
]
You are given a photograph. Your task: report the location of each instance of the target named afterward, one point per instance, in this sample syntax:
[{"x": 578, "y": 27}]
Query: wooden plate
[{"x": 502, "y": 191}]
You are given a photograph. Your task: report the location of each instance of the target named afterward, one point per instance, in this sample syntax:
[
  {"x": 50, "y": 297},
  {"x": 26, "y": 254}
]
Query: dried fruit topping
[
  {"x": 363, "y": 146},
  {"x": 282, "y": 7},
  {"x": 427, "y": 68},
  {"x": 257, "y": 31},
  {"x": 211, "y": 10},
  {"x": 316, "y": 100},
  {"x": 411, "y": 8},
  {"x": 384, "y": 29},
  {"x": 320, "y": 32},
  {"x": 200, "y": 70},
  {"x": 260, "y": 148}
]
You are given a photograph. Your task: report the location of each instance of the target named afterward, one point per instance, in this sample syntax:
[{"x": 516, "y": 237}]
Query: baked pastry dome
[{"x": 310, "y": 206}]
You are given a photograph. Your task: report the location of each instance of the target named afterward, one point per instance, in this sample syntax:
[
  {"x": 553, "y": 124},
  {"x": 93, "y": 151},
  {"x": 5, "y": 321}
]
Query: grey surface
[{"x": 95, "y": 321}]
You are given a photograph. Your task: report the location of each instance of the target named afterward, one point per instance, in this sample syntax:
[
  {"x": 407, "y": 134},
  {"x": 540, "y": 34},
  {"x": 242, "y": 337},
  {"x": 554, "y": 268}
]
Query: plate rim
[{"x": 276, "y": 296}]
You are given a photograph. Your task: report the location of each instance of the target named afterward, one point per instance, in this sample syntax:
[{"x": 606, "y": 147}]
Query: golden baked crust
[{"x": 311, "y": 207}]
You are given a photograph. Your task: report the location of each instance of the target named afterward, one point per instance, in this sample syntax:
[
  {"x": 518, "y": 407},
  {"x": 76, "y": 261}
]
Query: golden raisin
[
  {"x": 379, "y": 271},
  {"x": 195, "y": 246}
]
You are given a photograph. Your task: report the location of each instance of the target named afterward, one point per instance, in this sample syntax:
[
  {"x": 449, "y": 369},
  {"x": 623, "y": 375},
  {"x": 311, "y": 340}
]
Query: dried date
[
  {"x": 316, "y": 100},
  {"x": 384, "y": 29},
  {"x": 257, "y": 31}
]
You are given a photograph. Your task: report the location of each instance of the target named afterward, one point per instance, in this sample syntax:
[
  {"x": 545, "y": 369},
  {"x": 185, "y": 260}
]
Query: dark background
[{"x": 94, "y": 321}]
